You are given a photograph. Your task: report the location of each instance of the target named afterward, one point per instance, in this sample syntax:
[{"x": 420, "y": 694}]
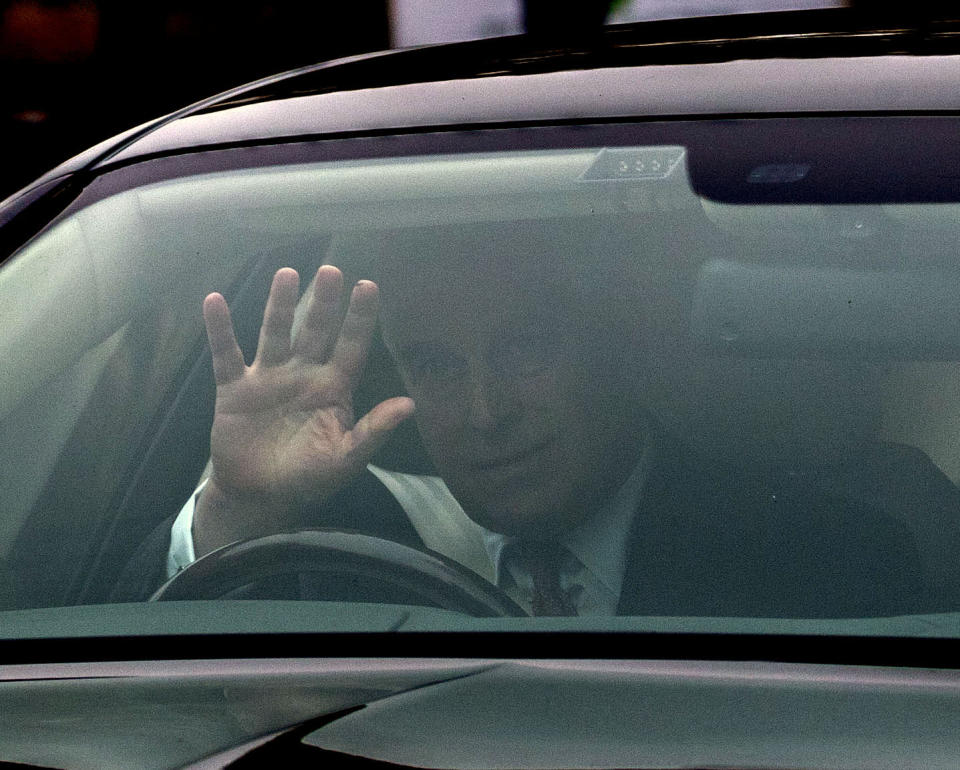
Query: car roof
[{"x": 729, "y": 88}]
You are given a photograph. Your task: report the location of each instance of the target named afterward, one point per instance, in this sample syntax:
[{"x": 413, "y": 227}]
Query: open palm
[{"x": 284, "y": 428}]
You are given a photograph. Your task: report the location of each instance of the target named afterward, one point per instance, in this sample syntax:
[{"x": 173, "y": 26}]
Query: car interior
[{"x": 810, "y": 338}]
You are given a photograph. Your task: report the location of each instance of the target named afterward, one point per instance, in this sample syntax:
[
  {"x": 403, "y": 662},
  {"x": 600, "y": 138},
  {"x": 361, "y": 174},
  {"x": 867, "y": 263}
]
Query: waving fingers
[
  {"x": 356, "y": 331},
  {"x": 321, "y": 324},
  {"x": 228, "y": 362},
  {"x": 325, "y": 336},
  {"x": 328, "y": 336},
  {"x": 273, "y": 347}
]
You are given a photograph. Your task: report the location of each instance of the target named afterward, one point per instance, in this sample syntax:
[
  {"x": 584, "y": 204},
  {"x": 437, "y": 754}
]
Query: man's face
[{"x": 519, "y": 399}]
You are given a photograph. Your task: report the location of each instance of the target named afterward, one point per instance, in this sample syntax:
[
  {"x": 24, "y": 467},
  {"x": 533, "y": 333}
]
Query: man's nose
[{"x": 490, "y": 403}]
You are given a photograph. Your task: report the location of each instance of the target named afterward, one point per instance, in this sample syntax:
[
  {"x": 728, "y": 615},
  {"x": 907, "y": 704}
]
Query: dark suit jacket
[
  {"x": 708, "y": 540},
  {"x": 711, "y": 540}
]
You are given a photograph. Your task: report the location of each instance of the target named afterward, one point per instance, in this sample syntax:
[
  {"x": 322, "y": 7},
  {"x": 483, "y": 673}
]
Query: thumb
[{"x": 375, "y": 427}]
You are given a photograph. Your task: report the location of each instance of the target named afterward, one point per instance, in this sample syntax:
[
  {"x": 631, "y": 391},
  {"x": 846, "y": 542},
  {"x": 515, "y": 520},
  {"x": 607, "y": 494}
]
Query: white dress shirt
[{"x": 592, "y": 575}]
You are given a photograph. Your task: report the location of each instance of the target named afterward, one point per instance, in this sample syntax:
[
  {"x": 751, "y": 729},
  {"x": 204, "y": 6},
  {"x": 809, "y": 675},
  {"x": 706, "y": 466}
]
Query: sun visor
[
  {"x": 851, "y": 160},
  {"x": 743, "y": 309}
]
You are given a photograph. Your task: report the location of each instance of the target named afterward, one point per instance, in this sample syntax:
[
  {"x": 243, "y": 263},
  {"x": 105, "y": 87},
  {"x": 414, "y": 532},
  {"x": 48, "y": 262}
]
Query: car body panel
[
  {"x": 209, "y": 706},
  {"x": 482, "y": 713},
  {"x": 73, "y": 165},
  {"x": 661, "y": 714}
]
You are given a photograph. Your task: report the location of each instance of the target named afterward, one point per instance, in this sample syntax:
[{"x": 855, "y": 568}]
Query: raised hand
[{"x": 284, "y": 434}]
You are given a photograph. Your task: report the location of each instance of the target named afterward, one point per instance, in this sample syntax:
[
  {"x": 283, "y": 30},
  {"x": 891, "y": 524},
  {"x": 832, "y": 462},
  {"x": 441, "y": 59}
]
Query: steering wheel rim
[{"x": 430, "y": 578}]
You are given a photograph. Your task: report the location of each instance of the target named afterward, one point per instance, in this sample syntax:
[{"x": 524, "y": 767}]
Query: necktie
[{"x": 543, "y": 562}]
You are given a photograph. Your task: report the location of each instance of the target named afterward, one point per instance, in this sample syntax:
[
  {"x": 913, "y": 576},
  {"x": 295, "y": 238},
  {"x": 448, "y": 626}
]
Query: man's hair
[{"x": 598, "y": 264}]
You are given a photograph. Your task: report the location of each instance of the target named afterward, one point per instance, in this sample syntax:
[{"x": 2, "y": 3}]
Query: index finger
[{"x": 228, "y": 364}]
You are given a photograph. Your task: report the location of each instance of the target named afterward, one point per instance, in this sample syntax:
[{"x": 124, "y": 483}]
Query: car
[{"x": 681, "y": 296}]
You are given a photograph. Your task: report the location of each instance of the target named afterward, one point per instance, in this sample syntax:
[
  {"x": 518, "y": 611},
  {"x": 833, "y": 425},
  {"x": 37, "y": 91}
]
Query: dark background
[{"x": 75, "y": 72}]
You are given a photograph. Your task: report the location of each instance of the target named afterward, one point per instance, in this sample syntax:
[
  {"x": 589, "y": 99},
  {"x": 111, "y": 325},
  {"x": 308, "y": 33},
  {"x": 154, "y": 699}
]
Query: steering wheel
[{"x": 341, "y": 566}]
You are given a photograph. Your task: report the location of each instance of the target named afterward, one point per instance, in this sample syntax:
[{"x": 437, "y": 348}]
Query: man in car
[{"x": 525, "y": 382}]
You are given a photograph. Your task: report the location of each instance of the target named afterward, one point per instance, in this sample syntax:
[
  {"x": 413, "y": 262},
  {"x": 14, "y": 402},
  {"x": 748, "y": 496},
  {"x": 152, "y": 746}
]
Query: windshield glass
[{"x": 593, "y": 377}]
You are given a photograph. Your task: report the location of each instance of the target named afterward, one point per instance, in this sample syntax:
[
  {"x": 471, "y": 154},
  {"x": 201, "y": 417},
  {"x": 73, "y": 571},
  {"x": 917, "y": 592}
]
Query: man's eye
[
  {"x": 523, "y": 355},
  {"x": 436, "y": 368}
]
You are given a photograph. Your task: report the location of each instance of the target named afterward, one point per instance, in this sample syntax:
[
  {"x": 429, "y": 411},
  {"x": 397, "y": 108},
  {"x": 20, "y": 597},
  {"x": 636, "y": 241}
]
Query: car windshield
[{"x": 688, "y": 376}]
